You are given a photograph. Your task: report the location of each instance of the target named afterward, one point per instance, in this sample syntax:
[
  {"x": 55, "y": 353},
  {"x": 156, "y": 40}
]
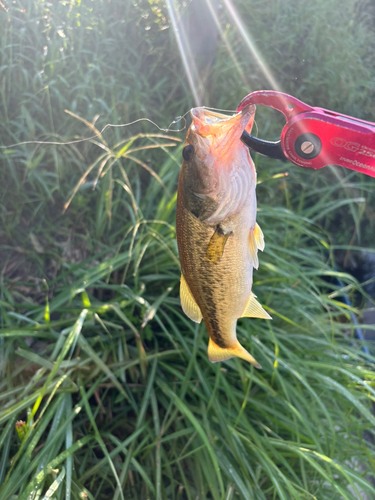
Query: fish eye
[{"x": 188, "y": 152}]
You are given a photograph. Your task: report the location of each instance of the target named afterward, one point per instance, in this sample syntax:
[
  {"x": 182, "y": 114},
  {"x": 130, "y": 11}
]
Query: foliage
[{"x": 105, "y": 385}]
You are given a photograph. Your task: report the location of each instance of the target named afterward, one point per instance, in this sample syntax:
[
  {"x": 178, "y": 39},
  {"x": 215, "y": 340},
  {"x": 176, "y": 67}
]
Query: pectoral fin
[
  {"x": 216, "y": 353},
  {"x": 253, "y": 250},
  {"x": 216, "y": 245},
  {"x": 259, "y": 238},
  {"x": 188, "y": 304},
  {"x": 256, "y": 242},
  {"x": 254, "y": 309}
]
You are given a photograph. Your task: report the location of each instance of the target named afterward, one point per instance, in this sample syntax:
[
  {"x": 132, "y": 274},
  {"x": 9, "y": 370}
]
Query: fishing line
[
  {"x": 109, "y": 125},
  {"x": 121, "y": 125}
]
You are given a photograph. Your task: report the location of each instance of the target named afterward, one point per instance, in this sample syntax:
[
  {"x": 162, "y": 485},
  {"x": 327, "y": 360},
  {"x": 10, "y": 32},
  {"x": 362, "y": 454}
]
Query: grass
[{"x": 106, "y": 390}]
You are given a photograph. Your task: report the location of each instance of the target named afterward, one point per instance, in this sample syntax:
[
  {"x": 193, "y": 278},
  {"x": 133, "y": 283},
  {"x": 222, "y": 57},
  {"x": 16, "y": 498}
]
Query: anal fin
[
  {"x": 254, "y": 309},
  {"x": 188, "y": 304},
  {"x": 216, "y": 353}
]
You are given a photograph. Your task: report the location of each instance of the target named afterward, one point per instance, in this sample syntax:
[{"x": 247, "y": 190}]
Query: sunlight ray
[
  {"x": 227, "y": 45},
  {"x": 250, "y": 44},
  {"x": 183, "y": 47}
]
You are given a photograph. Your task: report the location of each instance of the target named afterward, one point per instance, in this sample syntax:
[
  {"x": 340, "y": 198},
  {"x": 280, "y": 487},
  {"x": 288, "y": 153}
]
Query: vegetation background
[{"x": 105, "y": 387}]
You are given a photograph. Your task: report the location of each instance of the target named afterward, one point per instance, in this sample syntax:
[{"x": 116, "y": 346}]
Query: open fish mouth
[
  {"x": 210, "y": 123},
  {"x": 216, "y": 135},
  {"x": 208, "y": 117}
]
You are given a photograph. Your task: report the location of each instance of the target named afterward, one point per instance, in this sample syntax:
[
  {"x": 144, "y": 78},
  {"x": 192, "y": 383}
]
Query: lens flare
[
  {"x": 227, "y": 45},
  {"x": 185, "y": 52},
  {"x": 250, "y": 44}
]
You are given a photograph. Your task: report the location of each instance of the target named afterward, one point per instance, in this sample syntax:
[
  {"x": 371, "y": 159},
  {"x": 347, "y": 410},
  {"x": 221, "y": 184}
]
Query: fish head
[{"x": 213, "y": 155}]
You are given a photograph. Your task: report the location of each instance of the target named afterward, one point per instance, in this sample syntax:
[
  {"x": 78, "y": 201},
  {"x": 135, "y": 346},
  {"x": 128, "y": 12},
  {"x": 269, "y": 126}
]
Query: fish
[{"x": 217, "y": 234}]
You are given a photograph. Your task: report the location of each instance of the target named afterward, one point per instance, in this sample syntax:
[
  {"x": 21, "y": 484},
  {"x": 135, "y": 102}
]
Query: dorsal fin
[
  {"x": 254, "y": 309},
  {"x": 216, "y": 353},
  {"x": 188, "y": 304}
]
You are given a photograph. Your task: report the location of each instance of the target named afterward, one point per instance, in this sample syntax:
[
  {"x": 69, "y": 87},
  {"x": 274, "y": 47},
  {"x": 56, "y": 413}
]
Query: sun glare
[
  {"x": 184, "y": 48},
  {"x": 188, "y": 60},
  {"x": 250, "y": 44},
  {"x": 227, "y": 45}
]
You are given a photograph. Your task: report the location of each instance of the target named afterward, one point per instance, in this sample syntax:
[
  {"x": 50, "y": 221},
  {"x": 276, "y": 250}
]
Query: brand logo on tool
[{"x": 354, "y": 147}]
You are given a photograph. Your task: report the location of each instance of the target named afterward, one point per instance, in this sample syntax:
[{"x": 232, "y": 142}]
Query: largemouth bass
[{"x": 217, "y": 234}]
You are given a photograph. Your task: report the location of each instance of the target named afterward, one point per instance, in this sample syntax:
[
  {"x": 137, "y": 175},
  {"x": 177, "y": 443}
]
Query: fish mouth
[
  {"x": 217, "y": 131},
  {"x": 210, "y": 123}
]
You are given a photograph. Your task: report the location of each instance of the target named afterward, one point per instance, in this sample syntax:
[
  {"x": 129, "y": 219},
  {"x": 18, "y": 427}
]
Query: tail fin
[{"x": 216, "y": 353}]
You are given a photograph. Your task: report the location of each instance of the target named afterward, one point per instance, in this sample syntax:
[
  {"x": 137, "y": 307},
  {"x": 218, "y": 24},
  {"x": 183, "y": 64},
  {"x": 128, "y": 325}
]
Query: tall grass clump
[
  {"x": 105, "y": 387},
  {"x": 107, "y": 390}
]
